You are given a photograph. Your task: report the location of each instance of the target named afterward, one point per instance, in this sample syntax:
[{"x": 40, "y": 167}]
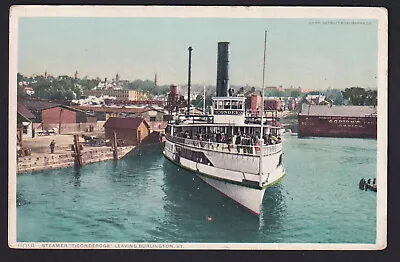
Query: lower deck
[{"x": 236, "y": 168}]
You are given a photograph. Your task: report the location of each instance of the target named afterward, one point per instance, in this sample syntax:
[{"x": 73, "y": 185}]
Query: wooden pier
[{"x": 66, "y": 155}]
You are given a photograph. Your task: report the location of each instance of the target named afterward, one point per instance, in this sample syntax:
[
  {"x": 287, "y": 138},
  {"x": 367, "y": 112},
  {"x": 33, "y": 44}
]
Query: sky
[{"x": 300, "y": 52}]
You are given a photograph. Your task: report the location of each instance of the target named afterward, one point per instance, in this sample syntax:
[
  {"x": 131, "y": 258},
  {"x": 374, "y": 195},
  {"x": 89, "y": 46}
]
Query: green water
[{"x": 148, "y": 199}]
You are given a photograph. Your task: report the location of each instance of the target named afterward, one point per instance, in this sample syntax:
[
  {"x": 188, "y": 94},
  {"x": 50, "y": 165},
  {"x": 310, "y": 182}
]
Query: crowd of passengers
[{"x": 245, "y": 142}]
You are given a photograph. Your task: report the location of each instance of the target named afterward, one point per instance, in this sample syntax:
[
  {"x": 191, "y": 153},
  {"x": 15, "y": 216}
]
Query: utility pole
[{"x": 59, "y": 122}]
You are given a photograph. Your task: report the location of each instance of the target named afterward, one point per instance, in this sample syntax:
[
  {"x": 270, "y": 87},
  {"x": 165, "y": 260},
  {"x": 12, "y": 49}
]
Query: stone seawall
[{"x": 45, "y": 161}]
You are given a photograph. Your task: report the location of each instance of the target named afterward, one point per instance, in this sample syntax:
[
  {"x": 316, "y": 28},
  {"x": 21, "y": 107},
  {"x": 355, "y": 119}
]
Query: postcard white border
[{"x": 353, "y": 13}]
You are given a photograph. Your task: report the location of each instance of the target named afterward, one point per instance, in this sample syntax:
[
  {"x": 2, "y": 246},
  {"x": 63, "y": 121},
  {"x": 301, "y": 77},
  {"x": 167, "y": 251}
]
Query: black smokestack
[{"x": 222, "y": 69}]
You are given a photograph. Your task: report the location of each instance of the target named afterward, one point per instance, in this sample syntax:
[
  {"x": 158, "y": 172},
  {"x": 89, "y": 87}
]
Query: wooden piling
[
  {"x": 77, "y": 152},
  {"x": 115, "y": 146}
]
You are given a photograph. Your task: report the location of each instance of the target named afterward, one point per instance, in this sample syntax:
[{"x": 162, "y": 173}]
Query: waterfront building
[
  {"x": 102, "y": 113},
  {"x": 128, "y": 130},
  {"x": 273, "y": 104},
  {"x": 338, "y": 121},
  {"x": 25, "y": 119},
  {"x": 35, "y": 106},
  {"x": 61, "y": 114},
  {"x": 154, "y": 117},
  {"x": 24, "y": 124},
  {"x": 24, "y": 129},
  {"x": 253, "y": 104},
  {"x": 119, "y": 94}
]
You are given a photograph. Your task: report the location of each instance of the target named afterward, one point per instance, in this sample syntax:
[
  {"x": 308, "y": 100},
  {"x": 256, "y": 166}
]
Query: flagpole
[{"x": 262, "y": 115}]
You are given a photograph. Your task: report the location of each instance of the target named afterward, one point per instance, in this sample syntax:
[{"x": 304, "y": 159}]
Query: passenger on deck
[
  {"x": 265, "y": 139},
  {"x": 238, "y": 142},
  {"x": 251, "y": 144},
  {"x": 218, "y": 138},
  {"x": 230, "y": 143},
  {"x": 257, "y": 147}
]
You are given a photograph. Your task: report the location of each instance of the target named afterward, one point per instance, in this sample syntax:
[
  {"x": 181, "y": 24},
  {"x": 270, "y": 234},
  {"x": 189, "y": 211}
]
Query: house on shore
[
  {"x": 25, "y": 119},
  {"x": 128, "y": 130},
  {"x": 153, "y": 116}
]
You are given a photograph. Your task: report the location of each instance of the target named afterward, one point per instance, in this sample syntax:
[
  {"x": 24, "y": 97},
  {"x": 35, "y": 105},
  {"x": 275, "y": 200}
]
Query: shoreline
[
  {"x": 41, "y": 158},
  {"x": 40, "y": 162}
]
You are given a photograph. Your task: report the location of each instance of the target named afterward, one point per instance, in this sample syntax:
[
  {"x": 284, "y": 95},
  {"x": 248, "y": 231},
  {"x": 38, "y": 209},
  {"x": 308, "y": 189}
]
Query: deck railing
[{"x": 227, "y": 148}]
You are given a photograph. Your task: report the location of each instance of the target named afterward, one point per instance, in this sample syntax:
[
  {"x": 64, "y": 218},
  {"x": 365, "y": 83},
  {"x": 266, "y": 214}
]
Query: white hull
[
  {"x": 230, "y": 182},
  {"x": 247, "y": 197}
]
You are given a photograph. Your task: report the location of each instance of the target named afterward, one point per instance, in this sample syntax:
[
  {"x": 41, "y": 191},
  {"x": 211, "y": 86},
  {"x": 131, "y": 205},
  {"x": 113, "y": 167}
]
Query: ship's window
[
  {"x": 215, "y": 104},
  {"x": 234, "y": 104},
  {"x": 227, "y": 104},
  {"x": 220, "y": 105},
  {"x": 240, "y": 105}
]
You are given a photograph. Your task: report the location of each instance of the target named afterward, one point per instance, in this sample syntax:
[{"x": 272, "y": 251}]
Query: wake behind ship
[{"x": 230, "y": 151}]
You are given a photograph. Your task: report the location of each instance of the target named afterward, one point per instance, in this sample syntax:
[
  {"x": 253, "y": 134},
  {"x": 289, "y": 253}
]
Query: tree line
[
  {"x": 359, "y": 96},
  {"x": 66, "y": 87}
]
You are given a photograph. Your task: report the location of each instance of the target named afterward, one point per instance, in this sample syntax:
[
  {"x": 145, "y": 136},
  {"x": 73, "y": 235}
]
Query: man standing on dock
[{"x": 52, "y": 145}]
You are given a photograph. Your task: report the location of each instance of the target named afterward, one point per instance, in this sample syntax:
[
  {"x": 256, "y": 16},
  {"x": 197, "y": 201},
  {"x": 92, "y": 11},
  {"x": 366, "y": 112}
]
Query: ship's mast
[
  {"x": 204, "y": 99},
  {"x": 261, "y": 140}
]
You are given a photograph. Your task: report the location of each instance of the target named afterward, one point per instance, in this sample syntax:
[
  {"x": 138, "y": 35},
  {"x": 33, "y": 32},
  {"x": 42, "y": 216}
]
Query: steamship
[{"x": 237, "y": 155}]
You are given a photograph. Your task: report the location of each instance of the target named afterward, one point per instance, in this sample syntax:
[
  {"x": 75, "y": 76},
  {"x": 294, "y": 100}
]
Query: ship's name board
[{"x": 228, "y": 112}]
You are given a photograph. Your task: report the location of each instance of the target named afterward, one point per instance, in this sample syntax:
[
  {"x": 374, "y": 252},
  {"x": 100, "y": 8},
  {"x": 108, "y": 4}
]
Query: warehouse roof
[
  {"x": 350, "y": 111},
  {"x": 66, "y": 107},
  {"x": 38, "y": 105},
  {"x": 109, "y": 109},
  {"x": 125, "y": 122},
  {"x": 24, "y": 111}
]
